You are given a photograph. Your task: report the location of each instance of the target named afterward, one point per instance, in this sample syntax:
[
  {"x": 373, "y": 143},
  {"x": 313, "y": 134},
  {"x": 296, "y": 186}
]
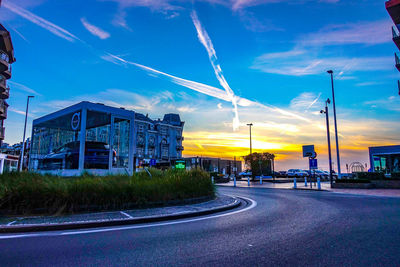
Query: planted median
[{"x": 32, "y": 193}]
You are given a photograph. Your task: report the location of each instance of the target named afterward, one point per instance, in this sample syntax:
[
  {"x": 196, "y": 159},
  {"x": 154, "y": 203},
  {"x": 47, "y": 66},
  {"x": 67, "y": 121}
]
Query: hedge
[
  {"x": 31, "y": 193},
  {"x": 352, "y": 181},
  {"x": 370, "y": 175}
]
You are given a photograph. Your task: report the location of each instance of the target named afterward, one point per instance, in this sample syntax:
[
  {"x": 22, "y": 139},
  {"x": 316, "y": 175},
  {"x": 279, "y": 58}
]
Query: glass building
[
  {"x": 84, "y": 137},
  {"x": 385, "y": 159},
  {"x": 102, "y": 139}
]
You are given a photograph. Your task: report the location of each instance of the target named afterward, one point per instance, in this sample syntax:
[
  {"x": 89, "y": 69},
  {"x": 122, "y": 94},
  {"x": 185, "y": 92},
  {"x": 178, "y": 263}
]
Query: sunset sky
[{"x": 220, "y": 64}]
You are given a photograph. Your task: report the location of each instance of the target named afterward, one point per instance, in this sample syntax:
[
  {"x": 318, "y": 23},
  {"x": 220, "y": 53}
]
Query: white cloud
[
  {"x": 369, "y": 33},
  {"x": 21, "y": 87},
  {"x": 45, "y": 24},
  {"x": 391, "y": 103},
  {"x": 304, "y": 101},
  {"x": 96, "y": 31},
  {"x": 300, "y": 63}
]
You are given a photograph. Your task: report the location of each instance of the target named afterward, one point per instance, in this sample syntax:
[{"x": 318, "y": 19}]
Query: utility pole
[
  {"x": 250, "y": 125},
  {"x": 326, "y": 111},
  {"x": 23, "y": 139},
  {"x": 334, "y": 117}
]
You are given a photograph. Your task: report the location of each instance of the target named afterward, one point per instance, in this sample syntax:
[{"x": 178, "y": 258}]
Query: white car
[{"x": 296, "y": 173}]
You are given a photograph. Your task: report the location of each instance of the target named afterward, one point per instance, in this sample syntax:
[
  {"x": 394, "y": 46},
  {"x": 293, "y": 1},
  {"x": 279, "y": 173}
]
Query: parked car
[
  {"x": 333, "y": 174},
  {"x": 296, "y": 173},
  {"x": 67, "y": 156},
  {"x": 321, "y": 174},
  {"x": 245, "y": 174},
  {"x": 219, "y": 177},
  {"x": 282, "y": 174}
]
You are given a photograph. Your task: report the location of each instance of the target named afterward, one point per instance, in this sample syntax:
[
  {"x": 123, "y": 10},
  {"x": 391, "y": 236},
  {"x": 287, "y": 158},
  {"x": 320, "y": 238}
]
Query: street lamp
[
  {"x": 334, "y": 117},
  {"x": 326, "y": 111},
  {"x": 23, "y": 139},
  {"x": 250, "y": 124}
]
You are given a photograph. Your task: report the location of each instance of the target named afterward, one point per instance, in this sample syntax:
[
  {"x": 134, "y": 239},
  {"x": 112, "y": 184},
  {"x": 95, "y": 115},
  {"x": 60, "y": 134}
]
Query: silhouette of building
[
  {"x": 6, "y": 59},
  {"x": 393, "y": 8}
]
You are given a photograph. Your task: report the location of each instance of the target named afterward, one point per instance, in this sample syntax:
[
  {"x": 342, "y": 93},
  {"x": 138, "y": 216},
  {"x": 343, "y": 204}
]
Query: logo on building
[{"x": 76, "y": 119}]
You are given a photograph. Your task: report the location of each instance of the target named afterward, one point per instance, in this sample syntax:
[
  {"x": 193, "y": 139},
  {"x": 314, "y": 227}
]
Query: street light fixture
[
  {"x": 326, "y": 111},
  {"x": 250, "y": 125},
  {"x": 334, "y": 117},
  {"x": 23, "y": 139}
]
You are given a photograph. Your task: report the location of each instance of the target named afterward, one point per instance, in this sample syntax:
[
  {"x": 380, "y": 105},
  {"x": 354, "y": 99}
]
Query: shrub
[
  {"x": 395, "y": 176},
  {"x": 28, "y": 193},
  {"x": 352, "y": 181},
  {"x": 370, "y": 175}
]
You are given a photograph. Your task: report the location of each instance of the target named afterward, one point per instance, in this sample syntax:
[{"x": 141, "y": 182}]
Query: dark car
[
  {"x": 67, "y": 156},
  {"x": 282, "y": 174}
]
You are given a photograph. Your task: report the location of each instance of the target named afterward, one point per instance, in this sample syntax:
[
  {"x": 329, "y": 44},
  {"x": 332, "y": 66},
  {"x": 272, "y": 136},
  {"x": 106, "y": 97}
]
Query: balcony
[
  {"x": 3, "y": 109},
  {"x": 180, "y": 138},
  {"x": 397, "y": 61},
  {"x": 4, "y": 93},
  {"x": 396, "y": 36},
  {"x": 393, "y": 8},
  {"x": 2, "y": 133},
  {"x": 398, "y": 86},
  {"x": 179, "y": 148},
  {"x": 7, "y": 73},
  {"x": 3, "y": 61}
]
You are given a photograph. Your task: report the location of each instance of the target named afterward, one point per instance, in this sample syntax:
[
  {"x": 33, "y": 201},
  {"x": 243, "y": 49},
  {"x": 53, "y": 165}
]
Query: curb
[
  {"x": 95, "y": 224},
  {"x": 303, "y": 189}
]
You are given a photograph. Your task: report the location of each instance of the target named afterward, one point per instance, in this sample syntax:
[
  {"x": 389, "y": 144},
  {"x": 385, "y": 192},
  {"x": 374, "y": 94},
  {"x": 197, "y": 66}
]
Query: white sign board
[{"x": 308, "y": 151}]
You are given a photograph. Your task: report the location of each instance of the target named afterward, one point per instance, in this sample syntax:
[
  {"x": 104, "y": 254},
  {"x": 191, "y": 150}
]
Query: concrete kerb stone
[{"x": 118, "y": 222}]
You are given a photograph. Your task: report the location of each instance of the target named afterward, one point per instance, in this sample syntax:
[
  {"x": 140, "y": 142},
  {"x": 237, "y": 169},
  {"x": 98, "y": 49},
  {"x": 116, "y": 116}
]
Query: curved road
[{"x": 286, "y": 227}]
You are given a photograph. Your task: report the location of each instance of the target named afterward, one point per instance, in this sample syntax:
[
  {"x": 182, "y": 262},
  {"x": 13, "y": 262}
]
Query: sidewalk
[
  {"x": 325, "y": 186},
  {"x": 101, "y": 219}
]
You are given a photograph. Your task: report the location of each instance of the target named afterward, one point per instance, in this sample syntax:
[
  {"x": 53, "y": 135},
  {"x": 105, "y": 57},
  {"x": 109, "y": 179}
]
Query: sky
[{"x": 220, "y": 64}]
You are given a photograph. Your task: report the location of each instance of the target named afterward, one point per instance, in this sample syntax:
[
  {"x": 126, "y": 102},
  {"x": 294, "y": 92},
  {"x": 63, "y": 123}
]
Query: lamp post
[
  {"x": 250, "y": 125},
  {"x": 334, "y": 117},
  {"x": 23, "y": 139},
  {"x": 326, "y": 111}
]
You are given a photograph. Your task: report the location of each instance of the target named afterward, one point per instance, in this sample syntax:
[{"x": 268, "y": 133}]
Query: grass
[{"x": 32, "y": 193}]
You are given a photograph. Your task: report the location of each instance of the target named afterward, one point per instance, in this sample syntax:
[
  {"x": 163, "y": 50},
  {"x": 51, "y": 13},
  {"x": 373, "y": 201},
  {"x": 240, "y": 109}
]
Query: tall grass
[{"x": 30, "y": 193}]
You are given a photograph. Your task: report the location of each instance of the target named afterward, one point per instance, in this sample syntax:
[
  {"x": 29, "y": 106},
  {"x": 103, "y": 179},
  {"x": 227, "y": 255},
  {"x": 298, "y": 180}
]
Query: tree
[{"x": 260, "y": 163}]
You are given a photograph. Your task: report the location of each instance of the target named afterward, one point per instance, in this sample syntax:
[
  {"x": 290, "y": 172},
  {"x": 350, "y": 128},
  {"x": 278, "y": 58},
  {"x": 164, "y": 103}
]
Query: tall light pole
[
  {"x": 251, "y": 150},
  {"x": 326, "y": 111},
  {"x": 334, "y": 117},
  {"x": 23, "y": 139}
]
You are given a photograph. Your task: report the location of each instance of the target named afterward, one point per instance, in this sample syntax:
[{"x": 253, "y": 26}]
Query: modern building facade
[
  {"x": 385, "y": 159},
  {"x": 6, "y": 59},
  {"x": 101, "y": 139},
  {"x": 223, "y": 166},
  {"x": 393, "y": 8}
]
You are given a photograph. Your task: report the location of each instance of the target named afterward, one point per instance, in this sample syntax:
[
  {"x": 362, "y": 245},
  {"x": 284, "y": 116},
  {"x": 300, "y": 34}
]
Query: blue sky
[{"x": 219, "y": 64}]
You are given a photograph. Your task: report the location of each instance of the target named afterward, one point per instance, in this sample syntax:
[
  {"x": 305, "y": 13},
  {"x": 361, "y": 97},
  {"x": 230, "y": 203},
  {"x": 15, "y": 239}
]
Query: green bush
[
  {"x": 370, "y": 175},
  {"x": 352, "y": 181},
  {"x": 29, "y": 193},
  {"x": 395, "y": 176}
]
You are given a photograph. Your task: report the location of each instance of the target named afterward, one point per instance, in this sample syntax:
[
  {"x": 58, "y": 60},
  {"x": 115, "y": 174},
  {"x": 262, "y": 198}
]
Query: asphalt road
[{"x": 285, "y": 228}]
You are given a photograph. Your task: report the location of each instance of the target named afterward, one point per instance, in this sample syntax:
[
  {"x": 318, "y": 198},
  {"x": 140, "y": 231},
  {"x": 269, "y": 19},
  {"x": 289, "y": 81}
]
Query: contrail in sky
[
  {"x": 226, "y": 95},
  {"x": 41, "y": 22},
  {"x": 207, "y": 43}
]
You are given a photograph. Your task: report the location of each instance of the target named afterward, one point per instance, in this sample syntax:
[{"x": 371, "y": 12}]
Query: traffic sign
[
  {"x": 308, "y": 151},
  {"x": 313, "y": 164}
]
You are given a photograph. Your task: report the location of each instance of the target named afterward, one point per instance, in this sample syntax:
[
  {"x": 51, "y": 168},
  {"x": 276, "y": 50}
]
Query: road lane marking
[
  {"x": 126, "y": 214},
  {"x": 10, "y": 223},
  {"x": 119, "y": 228}
]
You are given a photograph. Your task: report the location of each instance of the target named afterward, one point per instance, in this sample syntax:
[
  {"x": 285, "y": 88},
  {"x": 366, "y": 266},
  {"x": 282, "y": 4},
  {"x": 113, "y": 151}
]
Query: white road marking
[
  {"x": 10, "y": 223},
  {"x": 126, "y": 214},
  {"x": 119, "y": 228}
]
